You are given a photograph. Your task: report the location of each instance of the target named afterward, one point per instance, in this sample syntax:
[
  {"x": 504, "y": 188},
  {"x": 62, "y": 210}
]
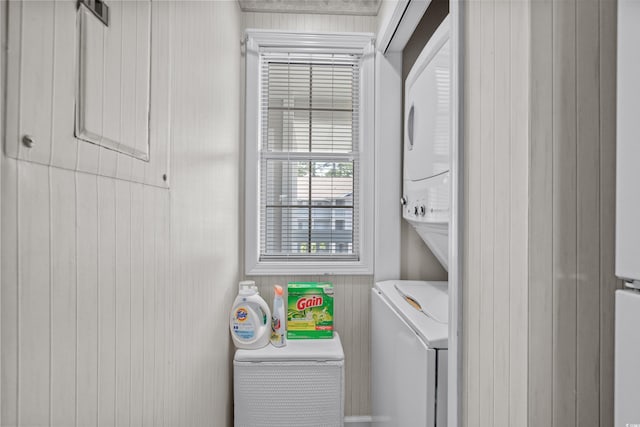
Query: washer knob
[
  {"x": 415, "y": 210},
  {"x": 423, "y": 210},
  {"x": 403, "y": 201}
]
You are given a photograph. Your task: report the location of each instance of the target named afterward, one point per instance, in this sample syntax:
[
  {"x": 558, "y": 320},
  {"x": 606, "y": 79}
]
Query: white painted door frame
[
  {"x": 392, "y": 38},
  {"x": 455, "y": 224}
]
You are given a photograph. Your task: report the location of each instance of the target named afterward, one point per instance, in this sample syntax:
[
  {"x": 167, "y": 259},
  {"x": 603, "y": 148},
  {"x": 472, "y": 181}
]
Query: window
[{"x": 309, "y": 151}]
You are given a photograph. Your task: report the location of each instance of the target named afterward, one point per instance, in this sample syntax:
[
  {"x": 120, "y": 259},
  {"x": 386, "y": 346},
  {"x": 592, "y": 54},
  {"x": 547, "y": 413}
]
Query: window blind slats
[{"x": 309, "y": 156}]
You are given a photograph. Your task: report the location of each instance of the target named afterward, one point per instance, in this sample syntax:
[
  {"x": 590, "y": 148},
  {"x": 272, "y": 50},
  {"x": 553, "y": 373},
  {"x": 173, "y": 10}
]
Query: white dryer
[
  {"x": 409, "y": 353},
  {"x": 427, "y": 144}
]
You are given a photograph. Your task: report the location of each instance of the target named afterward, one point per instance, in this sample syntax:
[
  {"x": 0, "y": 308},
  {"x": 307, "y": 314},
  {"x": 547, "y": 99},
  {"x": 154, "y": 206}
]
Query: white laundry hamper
[{"x": 300, "y": 385}]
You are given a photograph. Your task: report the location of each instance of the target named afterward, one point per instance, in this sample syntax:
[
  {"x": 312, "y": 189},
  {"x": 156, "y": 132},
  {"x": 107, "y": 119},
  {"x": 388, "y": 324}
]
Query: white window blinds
[{"x": 309, "y": 156}]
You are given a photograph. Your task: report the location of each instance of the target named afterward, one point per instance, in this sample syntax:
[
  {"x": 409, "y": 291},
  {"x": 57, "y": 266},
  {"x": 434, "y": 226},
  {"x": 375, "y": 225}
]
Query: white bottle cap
[{"x": 248, "y": 287}]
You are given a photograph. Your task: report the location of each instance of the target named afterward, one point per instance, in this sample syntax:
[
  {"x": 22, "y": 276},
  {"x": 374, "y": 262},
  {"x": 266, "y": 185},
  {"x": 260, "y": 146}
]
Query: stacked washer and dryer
[{"x": 410, "y": 318}]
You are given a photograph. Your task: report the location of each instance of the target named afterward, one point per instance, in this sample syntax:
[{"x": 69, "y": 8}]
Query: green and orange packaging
[{"x": 310, "y": 310}]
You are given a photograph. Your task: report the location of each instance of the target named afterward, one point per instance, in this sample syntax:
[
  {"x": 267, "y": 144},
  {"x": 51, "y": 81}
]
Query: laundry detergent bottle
[
  {"x": 278, "y": 320},
  {"x": 250, "y": 318}
]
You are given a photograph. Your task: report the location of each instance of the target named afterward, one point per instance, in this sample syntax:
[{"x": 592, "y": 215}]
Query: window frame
[{"x": 362, "y": 43}]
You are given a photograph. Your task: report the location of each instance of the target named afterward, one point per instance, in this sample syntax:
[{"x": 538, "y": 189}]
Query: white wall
[{"x": 115, "y": 294}]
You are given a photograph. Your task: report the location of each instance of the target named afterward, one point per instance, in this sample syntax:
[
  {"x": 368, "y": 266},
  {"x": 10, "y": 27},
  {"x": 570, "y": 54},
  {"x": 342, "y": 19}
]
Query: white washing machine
[{"x": 409, "y": 353}]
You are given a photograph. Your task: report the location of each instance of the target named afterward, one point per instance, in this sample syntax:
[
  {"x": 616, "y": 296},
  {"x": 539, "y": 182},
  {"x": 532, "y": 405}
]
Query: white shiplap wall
[
  {"x": 84, "y": 289},
  {"x": 572, "y": 189},
  {"x": 115, "y": 294},
  {"x": 496, "y": 145},
  {"x": 352, "y": 292},
  {"x": 539, "y": 213}
]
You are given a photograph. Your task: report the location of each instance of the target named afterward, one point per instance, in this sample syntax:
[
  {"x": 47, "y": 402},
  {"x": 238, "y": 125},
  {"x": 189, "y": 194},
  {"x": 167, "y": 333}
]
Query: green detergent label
[{"x": 310, "y": 310}]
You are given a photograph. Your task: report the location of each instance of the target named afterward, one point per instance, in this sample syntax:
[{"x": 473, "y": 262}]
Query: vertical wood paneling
[
  {"x": 148, "y": 307},
  {"x": 564, "y": 213},
  {"x": 2, "y": 94},
  {"x": 112, "y": 83},
  {"x": 519, "y": 194},
  {"x": 127, "y": 97},
  {"x": 471, "y": 265},
  {"x": 608, "y": 281},
  {"x": 88, "y": 155},
  {"x": 573, "y": 91},
  {"x": 487, "y": 212},
  {"x": 160, "y": 114},
  {"x": 75, "y": 309},
  {"x": 106, "y": 300},
  {"x": 87, "y": 299},
  {"x": 34, "y": 347},
  {"x": 496, "y": 149},
  {"x": 349, "y": 336},
  {"x": 540, "y": 399},
  {"x": 42, "y": 41},
  {"x": 93, "y": 40},
  {"x": 111, "y": 60},
  {"x": 63, "y": 144},
  {"x": 588, "y": 215},
  {"x": 123, "y": 292},
  {"x": 142, "y": 75},
  {"x": 502, "y": 213},
  {"x": 107, "y": 316},
  {"x": 163, "y": 258},
  {"x": 137, "y": 302},
  {"x": 204, "y": 220},
  {"x": 9, "y": 294},
  {"x": 63, "y": 297},
  {"x": 128, "y": 93},
  {"x": 39, "y": 89},
  {"x": 561, "y": 190},
  {"x": 364, "y": 344},
  {"x": 12, "y": 68}
]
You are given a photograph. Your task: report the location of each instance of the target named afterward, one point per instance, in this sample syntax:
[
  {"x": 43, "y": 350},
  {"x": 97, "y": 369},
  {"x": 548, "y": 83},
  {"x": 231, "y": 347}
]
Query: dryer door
[
  {"x": 403, "y": 370},
  {"x": 428, "y": 114}
]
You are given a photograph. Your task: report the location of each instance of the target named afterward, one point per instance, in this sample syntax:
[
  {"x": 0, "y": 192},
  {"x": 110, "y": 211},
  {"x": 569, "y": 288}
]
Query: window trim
[{"x": 362, "y": 43}]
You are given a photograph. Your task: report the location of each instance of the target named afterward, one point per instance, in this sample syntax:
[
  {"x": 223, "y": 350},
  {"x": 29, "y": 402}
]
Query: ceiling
[{"x": 333, "y": 7}]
